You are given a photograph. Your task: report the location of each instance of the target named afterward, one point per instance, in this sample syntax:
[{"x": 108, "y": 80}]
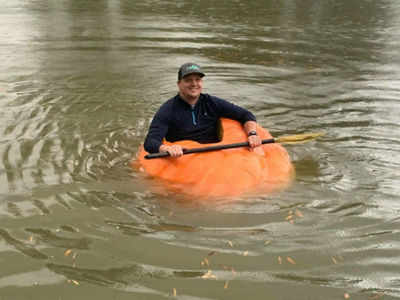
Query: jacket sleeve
[
  {"x": 157, "y": 131},
  {"x": 229, "y": 110}
]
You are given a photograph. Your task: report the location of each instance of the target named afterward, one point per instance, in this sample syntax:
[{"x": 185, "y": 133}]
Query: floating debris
[
  {"x": 174, "y": 292},
  {"x": 346, "y": 296},
  {"x": 73, "y": 281},
  {"x": 68, "y": 252},
  {"x": 298, "y": 213},
  {"x": 226, "y": 285},
  {"x": 292, "y": 214},
  {"x": 74, "y": 256},
  {"x": 289, "y": 259},
  {"x": 205, "y": 262},
  {"x": 209, "y": 275},
  {"x": 267, "y": 243},
  {"x": 245, "y": 253},
  {"x": 280, "y": 260},
  {"x": 212, "y": 253},
  {"x": 334, "y": 260},
  {"x": 230, "y": 244}
]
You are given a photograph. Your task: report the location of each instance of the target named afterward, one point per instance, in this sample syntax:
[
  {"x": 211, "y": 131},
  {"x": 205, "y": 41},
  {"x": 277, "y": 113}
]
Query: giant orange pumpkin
[{"x": 230, "y": 172}]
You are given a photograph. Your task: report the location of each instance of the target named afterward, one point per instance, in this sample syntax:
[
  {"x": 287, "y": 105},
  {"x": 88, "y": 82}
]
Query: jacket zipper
[{"x": 193, "y": 117}]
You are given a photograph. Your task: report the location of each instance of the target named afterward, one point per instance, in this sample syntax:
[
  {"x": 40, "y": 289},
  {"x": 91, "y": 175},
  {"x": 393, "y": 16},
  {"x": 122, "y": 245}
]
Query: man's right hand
[{"x": 174, "y": 150}]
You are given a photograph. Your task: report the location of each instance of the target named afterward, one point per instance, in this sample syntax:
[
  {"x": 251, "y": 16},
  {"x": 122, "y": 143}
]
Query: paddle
[{"x": 290, "y": 139}]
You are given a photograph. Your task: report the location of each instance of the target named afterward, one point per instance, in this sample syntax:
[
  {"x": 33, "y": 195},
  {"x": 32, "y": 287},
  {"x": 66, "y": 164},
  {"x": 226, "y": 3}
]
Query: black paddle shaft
[{"x": 207, "y": 149}]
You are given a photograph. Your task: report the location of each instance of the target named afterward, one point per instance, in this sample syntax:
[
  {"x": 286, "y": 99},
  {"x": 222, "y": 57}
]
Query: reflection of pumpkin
[{"x": 230, "y": 172}]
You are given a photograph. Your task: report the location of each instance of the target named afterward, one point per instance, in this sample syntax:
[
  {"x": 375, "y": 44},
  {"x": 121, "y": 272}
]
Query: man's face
[{"x": 190, "y": 86}]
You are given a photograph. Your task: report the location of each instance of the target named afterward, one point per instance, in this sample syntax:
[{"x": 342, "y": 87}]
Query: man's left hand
[{"x": 254, "y": 141}]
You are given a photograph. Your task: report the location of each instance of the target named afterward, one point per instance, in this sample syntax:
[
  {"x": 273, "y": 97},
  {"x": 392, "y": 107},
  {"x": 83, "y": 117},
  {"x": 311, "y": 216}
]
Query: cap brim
[{"x": 191, "y": 73}]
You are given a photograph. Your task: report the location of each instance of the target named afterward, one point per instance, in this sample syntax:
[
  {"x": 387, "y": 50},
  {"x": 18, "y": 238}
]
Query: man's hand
[
  {"x": 174, "y": 150},
  {"x": 250, "y": 127},
  {"x": 254, "y": 141}
]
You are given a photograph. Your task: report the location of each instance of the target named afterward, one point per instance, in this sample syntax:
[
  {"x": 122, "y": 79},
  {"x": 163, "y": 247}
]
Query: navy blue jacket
[{"x": 176, "y": 120}]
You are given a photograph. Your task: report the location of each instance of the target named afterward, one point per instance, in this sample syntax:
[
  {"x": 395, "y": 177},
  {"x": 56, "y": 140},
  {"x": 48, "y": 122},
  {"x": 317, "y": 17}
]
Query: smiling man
[{"x": 191, "y": 115}]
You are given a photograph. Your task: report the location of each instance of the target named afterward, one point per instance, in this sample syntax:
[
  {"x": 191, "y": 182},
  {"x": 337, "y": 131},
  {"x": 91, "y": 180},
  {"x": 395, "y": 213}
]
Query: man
[{"x": 191, "y": 115}]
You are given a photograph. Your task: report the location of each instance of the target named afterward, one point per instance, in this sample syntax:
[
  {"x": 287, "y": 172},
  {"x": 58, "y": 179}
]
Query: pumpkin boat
[{"x": 229, "y": 172}]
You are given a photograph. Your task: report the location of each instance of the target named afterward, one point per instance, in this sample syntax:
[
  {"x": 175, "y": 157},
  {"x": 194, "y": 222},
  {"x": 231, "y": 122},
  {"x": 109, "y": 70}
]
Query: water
[{"x": 79, "y": 84}]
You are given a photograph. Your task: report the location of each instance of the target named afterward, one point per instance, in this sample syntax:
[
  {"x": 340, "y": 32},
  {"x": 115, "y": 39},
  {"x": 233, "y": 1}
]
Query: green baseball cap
[{"x": 189, "y": 68}]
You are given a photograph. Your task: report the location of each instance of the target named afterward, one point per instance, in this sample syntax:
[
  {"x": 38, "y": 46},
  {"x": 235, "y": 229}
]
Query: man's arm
[
  {"x": 232, "y": 111},
  {"x": 157, "y": 132},
  {"x": 229, "y": 110}
]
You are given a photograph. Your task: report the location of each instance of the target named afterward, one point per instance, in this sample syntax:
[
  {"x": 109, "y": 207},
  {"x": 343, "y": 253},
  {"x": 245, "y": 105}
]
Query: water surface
[{"x": 79, "y": 84}]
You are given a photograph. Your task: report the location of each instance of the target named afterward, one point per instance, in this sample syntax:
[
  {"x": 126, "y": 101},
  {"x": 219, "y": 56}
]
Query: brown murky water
[{"x": 79, "y": 84}]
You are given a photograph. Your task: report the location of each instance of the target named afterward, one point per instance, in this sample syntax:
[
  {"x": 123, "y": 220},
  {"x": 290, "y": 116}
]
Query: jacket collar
[{"x": 180, "y": 100}]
